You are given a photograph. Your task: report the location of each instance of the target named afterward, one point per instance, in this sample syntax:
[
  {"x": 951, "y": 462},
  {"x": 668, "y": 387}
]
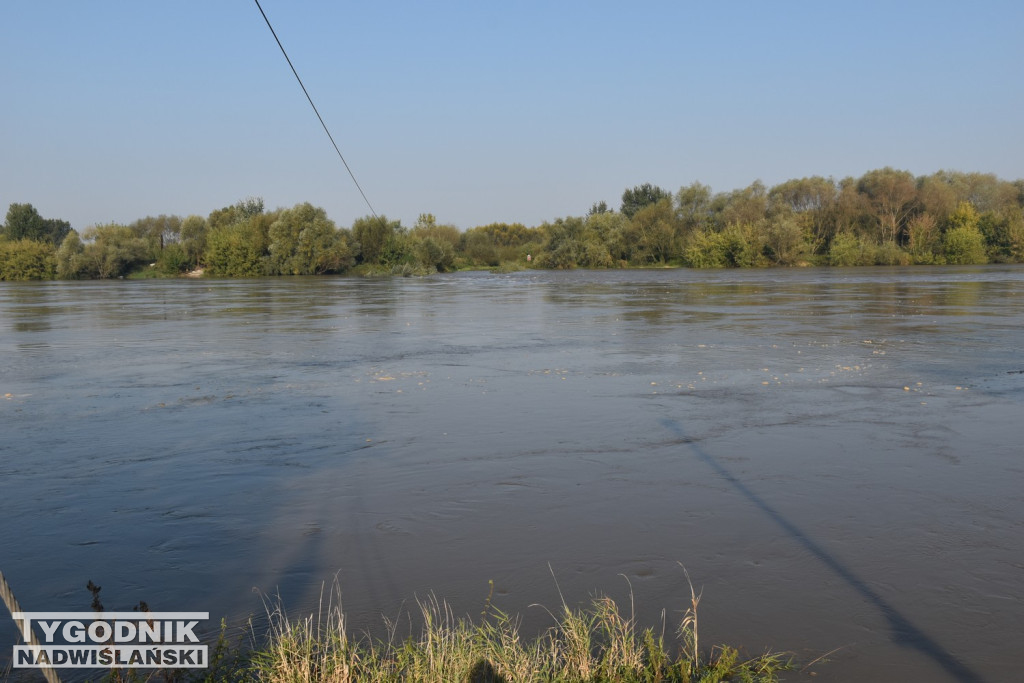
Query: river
[{"x": 833, "y": 454}]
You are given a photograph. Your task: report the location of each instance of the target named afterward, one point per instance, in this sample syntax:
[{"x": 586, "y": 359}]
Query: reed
[{"x": 592, "y": 644}]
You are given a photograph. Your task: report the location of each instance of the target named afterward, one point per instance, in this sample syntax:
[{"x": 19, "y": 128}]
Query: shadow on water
[{"x": 904, "y": 632}]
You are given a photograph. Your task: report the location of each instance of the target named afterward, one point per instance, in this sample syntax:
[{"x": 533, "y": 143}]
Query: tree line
[{"x": 885, "y": 217}]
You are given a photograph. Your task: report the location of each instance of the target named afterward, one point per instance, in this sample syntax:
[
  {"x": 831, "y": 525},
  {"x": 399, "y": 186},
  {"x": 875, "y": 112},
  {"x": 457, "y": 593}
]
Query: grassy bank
[
  {"x": 593, "y": 644},
  {"x": 596, "y": 643}
]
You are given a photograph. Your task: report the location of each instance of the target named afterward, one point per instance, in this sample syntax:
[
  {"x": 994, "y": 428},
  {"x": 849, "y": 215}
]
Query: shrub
[
  {"x": 239, "y": 249},
  {"x": 173, "y": 259},
  {"x": 889, "y": 254},
  {"x": 744, "y": 246},
  {"x": 71, "y": 263},
  {"x": 705, "y": 249},
  {"x": 436, "y": 254},
  {"x": 303, "y": 241},
  {"x": 785, "y": 243},
  {"x": 850, "y": 250},
  {"x": 964, "y": 245},
  {"x": 27, "y": 259},
  {"x": 595, "y": 255},
  {"x": 111, "y": 251}
]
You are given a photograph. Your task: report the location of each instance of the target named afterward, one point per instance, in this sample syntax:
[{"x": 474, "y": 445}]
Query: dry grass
[{"x": 592, "y": 644}]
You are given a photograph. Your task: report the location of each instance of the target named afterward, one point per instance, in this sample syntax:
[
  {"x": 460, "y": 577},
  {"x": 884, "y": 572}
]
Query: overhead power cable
[{"x": 316, "y": 111}]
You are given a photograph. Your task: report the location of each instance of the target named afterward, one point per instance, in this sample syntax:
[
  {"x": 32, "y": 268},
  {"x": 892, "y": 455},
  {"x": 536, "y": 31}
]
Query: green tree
[
  {"x": 748, "y": 206},
  {"x": 173, "y": 259},
  {"x": 937, "y": 195},
  {"x": 479, "y": 248},
  {"x": 236, "y": 213},
  {"x": 744, "y": 245},
  {"x": 656, "y": 230},
  {"x": 738, "y": 246},
  {"x": 849, "y": 249},
  {"x": 239, "y": 249},
  {"x": 640, "y": 196},
  {"x": 193, "y": 238},
  {"x": 508, "y": 234},
  {"x": 435, "y": 245},
  {"x": 610, "y": 229},
  {"x": 24, "y": 222},
  {"x": 705, "y": 248},
  {"x": 812, "y": 202},
  {"x": 113, "y": 250},
  {"x": 566, "y": 244},
  {"x": 1014, "y": 249},
  {"x": 71, "y": 264},
  {"x": 303, "y": 241},
  {"x": 964, "y": 246},
  {"x": 693, "y": 205},
  {"x": 891, "y": 195},
  {"x": 963, "y": 242},
  {"x": 1003, "y": 232},
  {"x": 785, "y": 242},
  {"x": 923, "y": 238},
  {"x": 158, "y": 232},
  {"x": 853, "y": 214},
  {"x": 373, "y": 235},
  {"x": 964, "y": 216}
]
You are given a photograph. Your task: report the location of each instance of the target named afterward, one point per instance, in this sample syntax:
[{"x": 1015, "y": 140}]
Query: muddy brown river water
[{"x": 834, "y": 455}]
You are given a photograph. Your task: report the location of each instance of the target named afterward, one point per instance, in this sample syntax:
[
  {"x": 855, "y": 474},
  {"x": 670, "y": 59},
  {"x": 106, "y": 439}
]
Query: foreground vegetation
[
  {"x": 885, "y": 217},
  {"x": 596, "y": 644}
]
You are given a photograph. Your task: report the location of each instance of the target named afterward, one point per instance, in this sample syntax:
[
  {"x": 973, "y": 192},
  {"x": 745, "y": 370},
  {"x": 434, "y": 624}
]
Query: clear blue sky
[{"x": 489, "y": 111}]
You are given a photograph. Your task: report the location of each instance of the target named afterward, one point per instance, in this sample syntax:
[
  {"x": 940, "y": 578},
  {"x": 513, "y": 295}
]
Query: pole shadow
[{"x": 904, "y": 632}]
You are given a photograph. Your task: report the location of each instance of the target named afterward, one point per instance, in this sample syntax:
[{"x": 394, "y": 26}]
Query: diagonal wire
[{"x": 316, "y": 111}]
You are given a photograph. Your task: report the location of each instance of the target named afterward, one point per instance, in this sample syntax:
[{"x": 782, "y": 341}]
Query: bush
[
  {"x": 112, "y": 251},
  {"x": 562, "y": 257},
  {"x": 705, "y": 249},
  {"x": 27, "y": 259},
  {"x": 786, "y": 244},
  {"x": 71, "y": 264},
  {"x": 436, "y": 254},
  {"x": 239, "y": 249},
  {"x": 173, "y": 260},
  {"x": 479, "y": 249},
  {"x": 850, "y": 250},
  {"x": 303, "y": 241},
  {"x": 595, "y": 255},
  {"x": 889, "y": 254},
  {"x": 923, "y": 239},
  {"x": 964, "y": 245},
  {"x": 744, "y": 246}
]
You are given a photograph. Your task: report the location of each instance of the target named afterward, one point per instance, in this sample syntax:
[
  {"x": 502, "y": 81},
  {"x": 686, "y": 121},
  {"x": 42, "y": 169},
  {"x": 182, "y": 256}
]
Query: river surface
[{"x": 834, "y": 455}]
